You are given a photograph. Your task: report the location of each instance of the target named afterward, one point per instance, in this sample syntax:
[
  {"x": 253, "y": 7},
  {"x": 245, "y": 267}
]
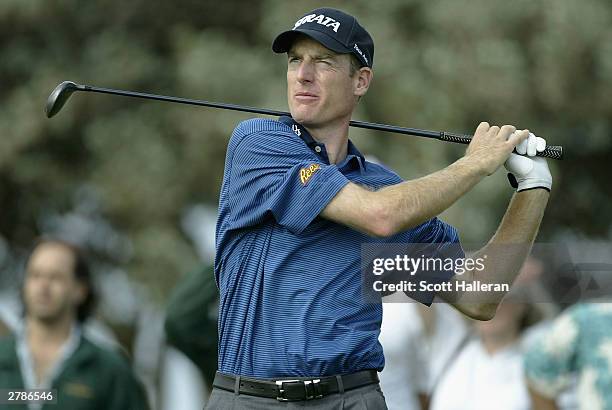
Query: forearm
[
  {"x": 400, "y": 207},
  {"x": 510, "y": 245},
  {"x": 522, "y": 219},
  {"x": 411, "y": 203},
  {"x": 514, "y": 237}
]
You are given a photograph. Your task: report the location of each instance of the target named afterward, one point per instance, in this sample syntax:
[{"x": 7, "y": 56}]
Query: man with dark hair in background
[{"x": 50, "y": 351}]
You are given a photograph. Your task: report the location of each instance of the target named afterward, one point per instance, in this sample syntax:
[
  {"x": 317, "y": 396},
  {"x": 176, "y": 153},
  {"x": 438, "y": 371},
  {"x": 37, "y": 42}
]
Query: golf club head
[{"x": 59, "y": 96}]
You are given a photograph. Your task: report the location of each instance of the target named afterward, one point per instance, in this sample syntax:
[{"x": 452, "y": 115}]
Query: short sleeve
[{"x": 274, "y": 174}]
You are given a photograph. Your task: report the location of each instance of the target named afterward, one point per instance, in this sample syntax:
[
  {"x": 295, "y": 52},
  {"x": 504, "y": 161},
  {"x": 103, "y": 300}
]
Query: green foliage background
[{"x": 440, "y": 64}]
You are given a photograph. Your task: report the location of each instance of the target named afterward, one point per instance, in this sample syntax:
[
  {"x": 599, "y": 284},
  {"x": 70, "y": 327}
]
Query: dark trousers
[{"x": 363, "y": 398}]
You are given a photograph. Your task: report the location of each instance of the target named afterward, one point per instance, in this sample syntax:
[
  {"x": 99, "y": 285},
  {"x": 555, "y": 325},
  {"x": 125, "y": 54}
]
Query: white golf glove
[{"x": 529, "y": 172}]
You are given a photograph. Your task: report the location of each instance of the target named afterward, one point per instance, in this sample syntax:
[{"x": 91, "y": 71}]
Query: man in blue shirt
[{"x": 298, "y": 200}]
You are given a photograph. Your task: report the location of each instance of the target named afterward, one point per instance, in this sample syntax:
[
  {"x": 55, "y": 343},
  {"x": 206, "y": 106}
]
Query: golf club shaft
[{"x": 554, "y": 152}]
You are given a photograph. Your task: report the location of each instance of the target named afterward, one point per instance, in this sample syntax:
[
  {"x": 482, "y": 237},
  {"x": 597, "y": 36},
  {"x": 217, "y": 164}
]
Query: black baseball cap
[{"x": 336, "y": 30}]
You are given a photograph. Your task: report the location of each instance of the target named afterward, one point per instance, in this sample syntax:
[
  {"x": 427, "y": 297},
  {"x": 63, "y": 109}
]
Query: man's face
[
  {"x": 51, "y": 290},
  {"x": 320, "y": 88}
]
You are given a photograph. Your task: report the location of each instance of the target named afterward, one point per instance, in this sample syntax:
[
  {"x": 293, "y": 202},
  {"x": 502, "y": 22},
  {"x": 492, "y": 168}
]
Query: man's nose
[{"x": 305, "y": 72}]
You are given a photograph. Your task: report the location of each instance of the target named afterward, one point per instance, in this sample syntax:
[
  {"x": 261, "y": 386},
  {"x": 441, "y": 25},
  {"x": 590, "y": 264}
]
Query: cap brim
[{"x": 282, "y": 42}]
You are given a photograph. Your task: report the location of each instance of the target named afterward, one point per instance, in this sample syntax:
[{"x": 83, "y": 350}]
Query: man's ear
[{"x": 363, "y": 77}]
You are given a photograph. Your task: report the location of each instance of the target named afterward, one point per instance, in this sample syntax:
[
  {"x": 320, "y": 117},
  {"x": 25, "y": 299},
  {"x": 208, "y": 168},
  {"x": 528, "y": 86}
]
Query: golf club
[{"x": 64, "y": 90}]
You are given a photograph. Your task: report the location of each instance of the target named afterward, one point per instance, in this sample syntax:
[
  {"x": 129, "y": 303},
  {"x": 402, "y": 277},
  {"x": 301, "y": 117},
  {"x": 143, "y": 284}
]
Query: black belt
[{"x": 296, "y": 389}]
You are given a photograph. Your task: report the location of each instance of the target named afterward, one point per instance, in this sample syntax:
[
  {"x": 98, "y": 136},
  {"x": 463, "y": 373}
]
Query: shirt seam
[{"x": 231, "y": 161}]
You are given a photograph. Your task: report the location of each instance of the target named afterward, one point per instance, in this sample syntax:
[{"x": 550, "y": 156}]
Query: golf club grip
[{"x": 551, "y": 151}]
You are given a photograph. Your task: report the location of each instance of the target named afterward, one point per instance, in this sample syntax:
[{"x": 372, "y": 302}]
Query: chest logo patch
[
  {"x": 307, "y": 173},
  {"x": 77, "y": 389}
]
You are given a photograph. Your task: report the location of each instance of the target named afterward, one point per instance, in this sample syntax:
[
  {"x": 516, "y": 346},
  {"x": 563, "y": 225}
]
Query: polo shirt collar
[{"x": 353, "y": 153}]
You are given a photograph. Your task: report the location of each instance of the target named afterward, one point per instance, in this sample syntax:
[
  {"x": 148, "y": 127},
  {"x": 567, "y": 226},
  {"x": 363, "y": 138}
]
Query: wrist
[
  {"x": 530, "y": 187},
  {"x": 470, "y": 167},
  {"x": 538, "y": 192},
  {"x": 534, "y": 183}
]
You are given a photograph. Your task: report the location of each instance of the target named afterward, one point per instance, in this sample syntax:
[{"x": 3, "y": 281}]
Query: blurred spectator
[
  {"x": 181, "y": 385},
  {"x": 487, "y": 372},
  {"x": 191, "y": 328},
  {"x": 50, "y": 350},
  {"x": 400, "y": 335},
  {"x": 417, "y": 342},
  {"x": 191, "y": 320},
  {"x": 578, "y": 343},
  {"x": 487, "y": 369}
]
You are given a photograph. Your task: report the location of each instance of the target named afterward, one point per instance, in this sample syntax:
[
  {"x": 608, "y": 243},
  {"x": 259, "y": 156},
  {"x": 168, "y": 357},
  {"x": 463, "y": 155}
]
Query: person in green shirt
[
  {"x": 576, "y": 350},
  {"x": 51, "y": 352},
  {"x": 191, "y": 320}
]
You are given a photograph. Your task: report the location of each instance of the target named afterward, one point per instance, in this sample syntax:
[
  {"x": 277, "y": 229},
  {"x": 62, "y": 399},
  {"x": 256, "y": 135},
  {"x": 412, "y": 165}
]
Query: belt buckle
[{"x": 315, "y": 394}]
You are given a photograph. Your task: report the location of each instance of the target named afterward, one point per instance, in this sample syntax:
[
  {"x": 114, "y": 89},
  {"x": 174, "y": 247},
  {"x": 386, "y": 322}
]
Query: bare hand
[{"x": 491, "y": 146}]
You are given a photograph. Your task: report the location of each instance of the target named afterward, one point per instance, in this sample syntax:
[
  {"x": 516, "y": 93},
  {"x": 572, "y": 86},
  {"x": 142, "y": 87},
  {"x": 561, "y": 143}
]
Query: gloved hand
[{"x": 529, "y": 172}]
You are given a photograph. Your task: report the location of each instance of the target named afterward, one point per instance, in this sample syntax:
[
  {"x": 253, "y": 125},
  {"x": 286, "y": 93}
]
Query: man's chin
[
  {"x": 303, "y": 115},
  {"x": 306, "y": 121},
  {"x": 47, "y": 316}
]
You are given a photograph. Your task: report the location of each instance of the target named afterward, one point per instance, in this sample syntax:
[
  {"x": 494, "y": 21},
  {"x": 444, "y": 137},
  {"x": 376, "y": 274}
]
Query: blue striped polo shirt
[{"x": 289, "y": 280}]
